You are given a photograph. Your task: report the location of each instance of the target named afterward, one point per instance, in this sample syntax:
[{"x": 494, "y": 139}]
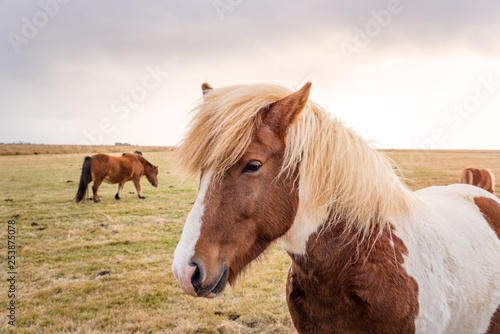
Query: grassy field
[{"x": 106, "y": 268}]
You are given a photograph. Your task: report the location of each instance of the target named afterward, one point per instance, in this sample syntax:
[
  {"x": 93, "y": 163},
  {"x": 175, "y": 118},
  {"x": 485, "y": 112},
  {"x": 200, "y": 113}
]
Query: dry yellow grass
[
  {"x": 442, "y": 167},
  {"x": 62, "y": 248},
  {"x": 16, "y": 149}
]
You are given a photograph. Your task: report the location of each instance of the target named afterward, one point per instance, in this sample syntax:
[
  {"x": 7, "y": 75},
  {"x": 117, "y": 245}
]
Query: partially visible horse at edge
[
  {"x": 102, "y": 167},
  {"x": 482, "y": 178},
  {"x": 368, "y": 255}
]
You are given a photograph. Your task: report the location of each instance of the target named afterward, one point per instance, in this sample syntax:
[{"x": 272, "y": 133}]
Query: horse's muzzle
[
  {"x": 183, "y": 275},
  {"x": 192, "y": 279}
]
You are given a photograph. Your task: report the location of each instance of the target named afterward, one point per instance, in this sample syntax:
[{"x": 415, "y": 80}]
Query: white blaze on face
[{"x": 190, "y": 234}]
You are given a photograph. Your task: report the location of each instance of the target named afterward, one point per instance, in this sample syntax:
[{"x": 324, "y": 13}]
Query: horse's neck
[
  {"x": 144, "y": 163},
  {"x": 335, "y": 257},
  {"x": 346, "y": 282},
  {"x": 341, "y": 175}
]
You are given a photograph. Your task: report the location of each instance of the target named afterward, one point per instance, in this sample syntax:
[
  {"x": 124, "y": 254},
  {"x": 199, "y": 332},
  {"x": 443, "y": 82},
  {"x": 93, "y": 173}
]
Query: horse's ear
[
  {"x": 281, "y": 114},
  {"x": 206, "y": 88}
]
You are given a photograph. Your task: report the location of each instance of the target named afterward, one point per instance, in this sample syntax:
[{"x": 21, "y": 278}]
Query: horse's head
[
  {"x": 152, "y": 175},
  {"x": 239, "y": 213}
]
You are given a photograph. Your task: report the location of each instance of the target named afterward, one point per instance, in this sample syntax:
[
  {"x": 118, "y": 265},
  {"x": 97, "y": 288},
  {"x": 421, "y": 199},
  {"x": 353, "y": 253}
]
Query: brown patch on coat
[
  {"x": 491, "y": 212},
  {"x": 343, "y": 286},
  {"x": 482, "y": 178},
  {"x": 494, "y": 327}
]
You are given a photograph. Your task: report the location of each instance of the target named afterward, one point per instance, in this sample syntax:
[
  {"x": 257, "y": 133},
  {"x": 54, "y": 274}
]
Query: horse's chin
[{"x": 219, "y": 287}]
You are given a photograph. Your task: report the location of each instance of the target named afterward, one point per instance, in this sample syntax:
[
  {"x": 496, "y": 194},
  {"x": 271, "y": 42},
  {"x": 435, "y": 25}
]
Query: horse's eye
[{"x": 252, "y": 167}]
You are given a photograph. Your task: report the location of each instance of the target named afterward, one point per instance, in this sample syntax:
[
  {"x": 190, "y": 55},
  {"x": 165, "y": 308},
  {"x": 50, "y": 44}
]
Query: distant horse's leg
[
  {"x": 95, "y": 188},
  {"x": 137, "y": 185},
  {"x": 120, "y": 188}
]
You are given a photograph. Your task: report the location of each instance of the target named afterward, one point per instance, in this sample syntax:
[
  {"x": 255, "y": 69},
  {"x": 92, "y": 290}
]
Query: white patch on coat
[
  {"x": 454, "y": 256},
  {"x": 192, "y": 228},
  {"x": 306, "y": 222}
]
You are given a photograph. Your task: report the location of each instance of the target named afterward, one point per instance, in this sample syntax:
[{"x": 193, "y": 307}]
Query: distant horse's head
[
  {"x": 246, "y": 199},
  {"x": 151, "y": 172}
]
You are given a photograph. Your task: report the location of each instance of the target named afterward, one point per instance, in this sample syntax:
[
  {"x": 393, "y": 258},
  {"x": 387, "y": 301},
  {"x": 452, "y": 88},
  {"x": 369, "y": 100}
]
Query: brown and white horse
[
  {"x": 482, "y": 178},
  {"x": 368, "y": 255},
  {"x": 102, "y": 167}
]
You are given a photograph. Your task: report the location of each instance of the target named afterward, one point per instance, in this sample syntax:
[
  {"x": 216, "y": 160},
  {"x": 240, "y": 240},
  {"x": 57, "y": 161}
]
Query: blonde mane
[{"x": 341, "y": 177}]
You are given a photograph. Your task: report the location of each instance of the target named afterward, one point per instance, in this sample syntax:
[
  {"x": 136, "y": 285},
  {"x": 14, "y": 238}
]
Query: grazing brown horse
[
  {"x": 368, "y": 255},
  {"x": 103, "y": 167},
  {"x": 482, "y": 178}
]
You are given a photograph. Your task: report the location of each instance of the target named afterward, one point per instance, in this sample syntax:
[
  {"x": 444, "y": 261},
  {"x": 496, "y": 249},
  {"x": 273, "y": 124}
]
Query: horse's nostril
[
  {"x": 198, "y": 274},
  {"x": 195, "y": 278}
]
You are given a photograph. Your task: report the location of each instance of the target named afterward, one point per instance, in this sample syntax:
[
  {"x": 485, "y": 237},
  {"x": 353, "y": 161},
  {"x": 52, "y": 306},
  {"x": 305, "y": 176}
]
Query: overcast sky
[{"x": 403, "y": 74}]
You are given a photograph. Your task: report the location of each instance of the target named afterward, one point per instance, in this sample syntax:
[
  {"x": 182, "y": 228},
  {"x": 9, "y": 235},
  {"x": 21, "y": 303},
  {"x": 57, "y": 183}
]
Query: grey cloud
[{"x": 91, "y": 52}]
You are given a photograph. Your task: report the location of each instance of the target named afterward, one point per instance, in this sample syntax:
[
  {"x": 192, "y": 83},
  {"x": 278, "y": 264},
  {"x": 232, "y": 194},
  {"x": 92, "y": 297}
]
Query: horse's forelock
[{"x": 223, "y": 125}]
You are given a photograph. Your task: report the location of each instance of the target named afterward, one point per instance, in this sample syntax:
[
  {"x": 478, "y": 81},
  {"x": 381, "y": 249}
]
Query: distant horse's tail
[
  {"x": 492, "y": 176},
  {"x": 84, "y": 180},
  {"x": 467, "y": 177}
]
